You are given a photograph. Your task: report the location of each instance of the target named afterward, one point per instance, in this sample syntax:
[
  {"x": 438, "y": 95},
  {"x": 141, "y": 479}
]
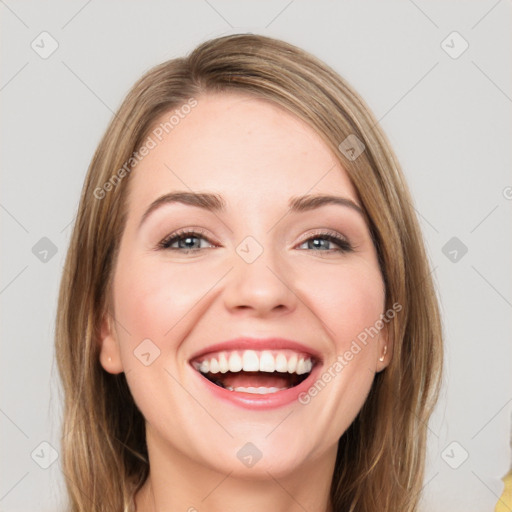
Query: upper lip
[{"x": 250, "y": 343}]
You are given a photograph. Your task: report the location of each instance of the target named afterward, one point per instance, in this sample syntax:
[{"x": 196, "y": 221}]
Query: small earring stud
[{"x": 381, "y": 358}]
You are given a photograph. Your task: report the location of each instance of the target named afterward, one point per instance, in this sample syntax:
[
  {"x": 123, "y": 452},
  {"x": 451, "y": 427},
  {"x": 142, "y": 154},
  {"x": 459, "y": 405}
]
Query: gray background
[{"x": 447, "y": 118}]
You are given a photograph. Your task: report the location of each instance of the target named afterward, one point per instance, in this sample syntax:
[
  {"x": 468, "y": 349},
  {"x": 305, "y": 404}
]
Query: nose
[{"x": 262, "y": 286}]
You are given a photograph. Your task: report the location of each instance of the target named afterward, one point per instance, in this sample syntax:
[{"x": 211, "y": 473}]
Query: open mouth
[{"x": 256, "y": 372}]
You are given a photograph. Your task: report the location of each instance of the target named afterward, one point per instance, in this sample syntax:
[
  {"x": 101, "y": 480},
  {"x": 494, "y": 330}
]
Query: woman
[{"x": 246, "y": 318}]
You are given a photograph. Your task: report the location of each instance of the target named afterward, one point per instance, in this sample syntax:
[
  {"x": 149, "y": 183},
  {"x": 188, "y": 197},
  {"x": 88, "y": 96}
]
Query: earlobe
[
  {"x": 385, "y": 350},
  {"x": 110, "y": 355},
  {"x": 381, "y": 358}
]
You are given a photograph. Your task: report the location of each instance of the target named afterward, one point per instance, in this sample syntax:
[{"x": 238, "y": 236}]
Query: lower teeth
[{"x": 256, "y": 391}]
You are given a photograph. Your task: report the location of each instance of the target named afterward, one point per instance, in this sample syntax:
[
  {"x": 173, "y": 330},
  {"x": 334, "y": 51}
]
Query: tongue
[{"x": 255, "y": 379}]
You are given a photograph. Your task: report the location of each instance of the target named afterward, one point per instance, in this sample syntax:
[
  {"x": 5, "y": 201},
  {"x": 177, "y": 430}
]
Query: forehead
[{"x": 245, "y": 148}]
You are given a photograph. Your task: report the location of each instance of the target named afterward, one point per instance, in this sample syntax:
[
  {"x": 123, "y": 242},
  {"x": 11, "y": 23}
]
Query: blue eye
[
  {"x": 190, "y": 241},
  {"x": 321, "y": 240},
  {"x": 186, "y": 240}
]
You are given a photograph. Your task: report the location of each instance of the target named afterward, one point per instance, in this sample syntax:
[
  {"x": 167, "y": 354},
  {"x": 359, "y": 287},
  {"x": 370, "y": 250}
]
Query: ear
[
  {"x": 384, "y": 349},
  {"x": 110, "y": 354}
]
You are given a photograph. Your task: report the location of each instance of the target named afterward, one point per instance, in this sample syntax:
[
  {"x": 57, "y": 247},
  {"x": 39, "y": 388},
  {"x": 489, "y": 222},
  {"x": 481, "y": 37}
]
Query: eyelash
[{"x": 343, "y": 244}]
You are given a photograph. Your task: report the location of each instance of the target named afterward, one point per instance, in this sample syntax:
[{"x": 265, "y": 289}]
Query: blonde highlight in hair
[{"x": 380, "y": 461}]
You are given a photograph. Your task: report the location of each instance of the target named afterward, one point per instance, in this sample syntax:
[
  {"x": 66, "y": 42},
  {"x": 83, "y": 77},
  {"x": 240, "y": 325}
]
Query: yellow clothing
[{"x": 505, "y": 502}]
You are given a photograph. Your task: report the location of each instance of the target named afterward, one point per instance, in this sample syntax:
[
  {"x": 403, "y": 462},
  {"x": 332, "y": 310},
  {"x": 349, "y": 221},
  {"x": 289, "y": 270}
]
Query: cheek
[
  {"x": 156, "y": 301},
  {"x": 349, "y": 298},
  {"x": 154, "y": 297}
]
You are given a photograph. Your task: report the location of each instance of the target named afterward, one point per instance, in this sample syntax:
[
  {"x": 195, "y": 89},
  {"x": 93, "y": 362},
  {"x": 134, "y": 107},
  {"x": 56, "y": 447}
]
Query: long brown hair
[{"x": 380, "y": 462}]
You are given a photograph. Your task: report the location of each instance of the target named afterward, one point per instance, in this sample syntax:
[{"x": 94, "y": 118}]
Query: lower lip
[{"x": 261, "y": 402}]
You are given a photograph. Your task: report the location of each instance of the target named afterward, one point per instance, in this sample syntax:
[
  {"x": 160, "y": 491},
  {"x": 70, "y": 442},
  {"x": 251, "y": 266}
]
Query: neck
[{"x": 176, "y": 482}]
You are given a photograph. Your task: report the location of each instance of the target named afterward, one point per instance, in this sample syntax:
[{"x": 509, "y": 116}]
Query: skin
[{"x": 256, "y": 156}]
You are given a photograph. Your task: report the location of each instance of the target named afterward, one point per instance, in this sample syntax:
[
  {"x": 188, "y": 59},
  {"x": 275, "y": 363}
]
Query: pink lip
[
  {"x": 258, "y": 344},
  {"x": 255, "y": 401}
]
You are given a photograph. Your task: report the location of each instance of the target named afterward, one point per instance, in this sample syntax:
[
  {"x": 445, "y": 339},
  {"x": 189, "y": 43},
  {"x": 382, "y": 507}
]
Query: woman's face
[{"x": 255, "y": 288}]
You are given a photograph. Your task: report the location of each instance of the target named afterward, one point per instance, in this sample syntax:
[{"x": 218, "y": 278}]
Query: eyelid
[{"x": 320, "y": 232}]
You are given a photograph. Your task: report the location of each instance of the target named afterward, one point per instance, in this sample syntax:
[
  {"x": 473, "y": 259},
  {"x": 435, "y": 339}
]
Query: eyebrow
[{"x": 215, "y": 202}]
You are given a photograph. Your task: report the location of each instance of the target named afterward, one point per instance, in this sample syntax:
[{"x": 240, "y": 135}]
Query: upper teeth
[{"x": 253, "y": 361}]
